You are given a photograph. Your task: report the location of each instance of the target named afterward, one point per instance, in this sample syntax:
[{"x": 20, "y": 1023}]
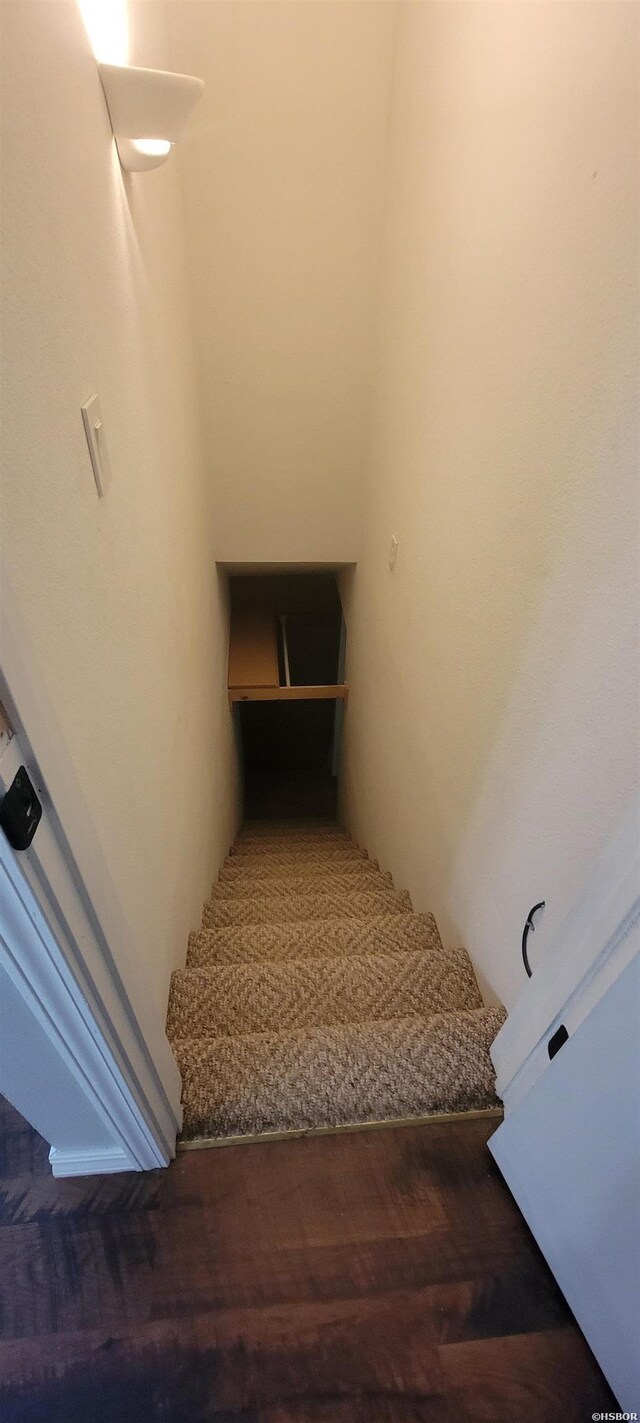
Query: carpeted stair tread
[
  {"x": 319, "y": 938},
  {"x": 321, "y": 1077},
  {"x": 268, "y": 856},
  {"x": 268, "y": 879},
  {"x": 313, "y": 824},
  {"x": 297, "y": 832},
  {"x": 301, "y": 842},
  {"x": 328, "y": 883},
  {"x": 314, "y": 997},
  {"x": 299, "y": 907},
  {"x": 304, "y": 993}
]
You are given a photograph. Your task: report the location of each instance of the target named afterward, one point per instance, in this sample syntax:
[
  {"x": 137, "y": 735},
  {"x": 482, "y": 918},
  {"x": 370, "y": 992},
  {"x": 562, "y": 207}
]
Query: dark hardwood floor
[{"x": 372, "y": 1277}]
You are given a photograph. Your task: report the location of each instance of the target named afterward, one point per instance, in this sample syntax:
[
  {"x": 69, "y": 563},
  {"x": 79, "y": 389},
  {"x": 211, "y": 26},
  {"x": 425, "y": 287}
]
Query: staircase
[{"x": 314, "y": 997}]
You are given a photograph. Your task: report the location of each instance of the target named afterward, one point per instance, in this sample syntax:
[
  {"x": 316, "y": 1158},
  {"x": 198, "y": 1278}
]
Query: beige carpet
[{"x": 314, "y": 997}]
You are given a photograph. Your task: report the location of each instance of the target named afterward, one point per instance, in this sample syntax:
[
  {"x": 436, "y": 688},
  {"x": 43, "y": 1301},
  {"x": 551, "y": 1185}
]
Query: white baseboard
[{"x": 88, "y": 1163}]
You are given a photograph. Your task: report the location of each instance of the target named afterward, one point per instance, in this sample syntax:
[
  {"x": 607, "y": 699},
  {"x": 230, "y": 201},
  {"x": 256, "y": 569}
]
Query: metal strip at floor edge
[{"x": 208, "y": 1143}]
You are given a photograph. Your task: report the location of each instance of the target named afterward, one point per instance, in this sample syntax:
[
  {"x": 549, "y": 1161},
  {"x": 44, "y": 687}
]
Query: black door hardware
[
  {"x": 20, "y": 811},
  {"x": 525, "y": 934},
  {"x": 557, "y": 1041}
]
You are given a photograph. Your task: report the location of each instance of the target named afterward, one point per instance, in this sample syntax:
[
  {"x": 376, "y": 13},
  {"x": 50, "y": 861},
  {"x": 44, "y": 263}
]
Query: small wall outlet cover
[
  {"x": 393, "y": 552},
  {"x": 94, "y": 431}
]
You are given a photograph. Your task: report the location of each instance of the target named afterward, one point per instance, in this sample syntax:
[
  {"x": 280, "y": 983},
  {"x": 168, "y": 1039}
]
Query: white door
[{"x": 570, "y": 1153}]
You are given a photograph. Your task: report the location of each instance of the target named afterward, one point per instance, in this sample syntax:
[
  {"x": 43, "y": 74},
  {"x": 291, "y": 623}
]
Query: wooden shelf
[
  {"x": 253, "y": 648},
  {"x": 337, "y": 692},
  {"x": 255, "y": 666}
]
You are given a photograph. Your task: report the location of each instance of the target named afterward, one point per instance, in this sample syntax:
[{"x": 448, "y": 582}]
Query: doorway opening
[{"x": 286, "y": 684}]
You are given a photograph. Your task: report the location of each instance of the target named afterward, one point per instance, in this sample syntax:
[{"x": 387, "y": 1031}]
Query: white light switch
[
  {"x": 393, "y": 552},
  {"x": 94, "y": 431}
]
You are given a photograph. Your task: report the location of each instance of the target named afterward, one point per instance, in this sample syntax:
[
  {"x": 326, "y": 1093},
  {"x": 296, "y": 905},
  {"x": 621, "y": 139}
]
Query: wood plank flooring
[{"x": 373, "y": 1277}]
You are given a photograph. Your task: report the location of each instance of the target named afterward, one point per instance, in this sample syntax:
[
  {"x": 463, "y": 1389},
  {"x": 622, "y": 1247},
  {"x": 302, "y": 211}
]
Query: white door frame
[{"x": 65, "y": 944}]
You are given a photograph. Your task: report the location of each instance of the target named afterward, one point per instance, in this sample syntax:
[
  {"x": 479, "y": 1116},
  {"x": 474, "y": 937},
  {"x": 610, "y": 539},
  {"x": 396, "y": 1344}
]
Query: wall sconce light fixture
[{"x": 149, "y": 111}]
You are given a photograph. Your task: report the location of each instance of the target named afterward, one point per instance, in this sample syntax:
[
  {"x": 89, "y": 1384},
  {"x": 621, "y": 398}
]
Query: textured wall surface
[
  {"x": 119, "y": 596},
  {"x": 491, "y": 740},
  {"x": 283, "y": 173}
]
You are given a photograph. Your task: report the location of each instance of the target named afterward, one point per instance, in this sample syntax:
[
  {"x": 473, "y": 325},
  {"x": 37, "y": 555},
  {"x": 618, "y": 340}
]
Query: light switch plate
[
  {"x": 393, "y": 552},
  {"x": 94, "y": 431}
]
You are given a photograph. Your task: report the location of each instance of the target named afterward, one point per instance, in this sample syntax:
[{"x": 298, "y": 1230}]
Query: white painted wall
[
  {"x": 120, "y": 597},
  {"x": 492, "y": 727},
  {"x": 283, "y": 173},
  {"x": 491, "y": 740}
]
